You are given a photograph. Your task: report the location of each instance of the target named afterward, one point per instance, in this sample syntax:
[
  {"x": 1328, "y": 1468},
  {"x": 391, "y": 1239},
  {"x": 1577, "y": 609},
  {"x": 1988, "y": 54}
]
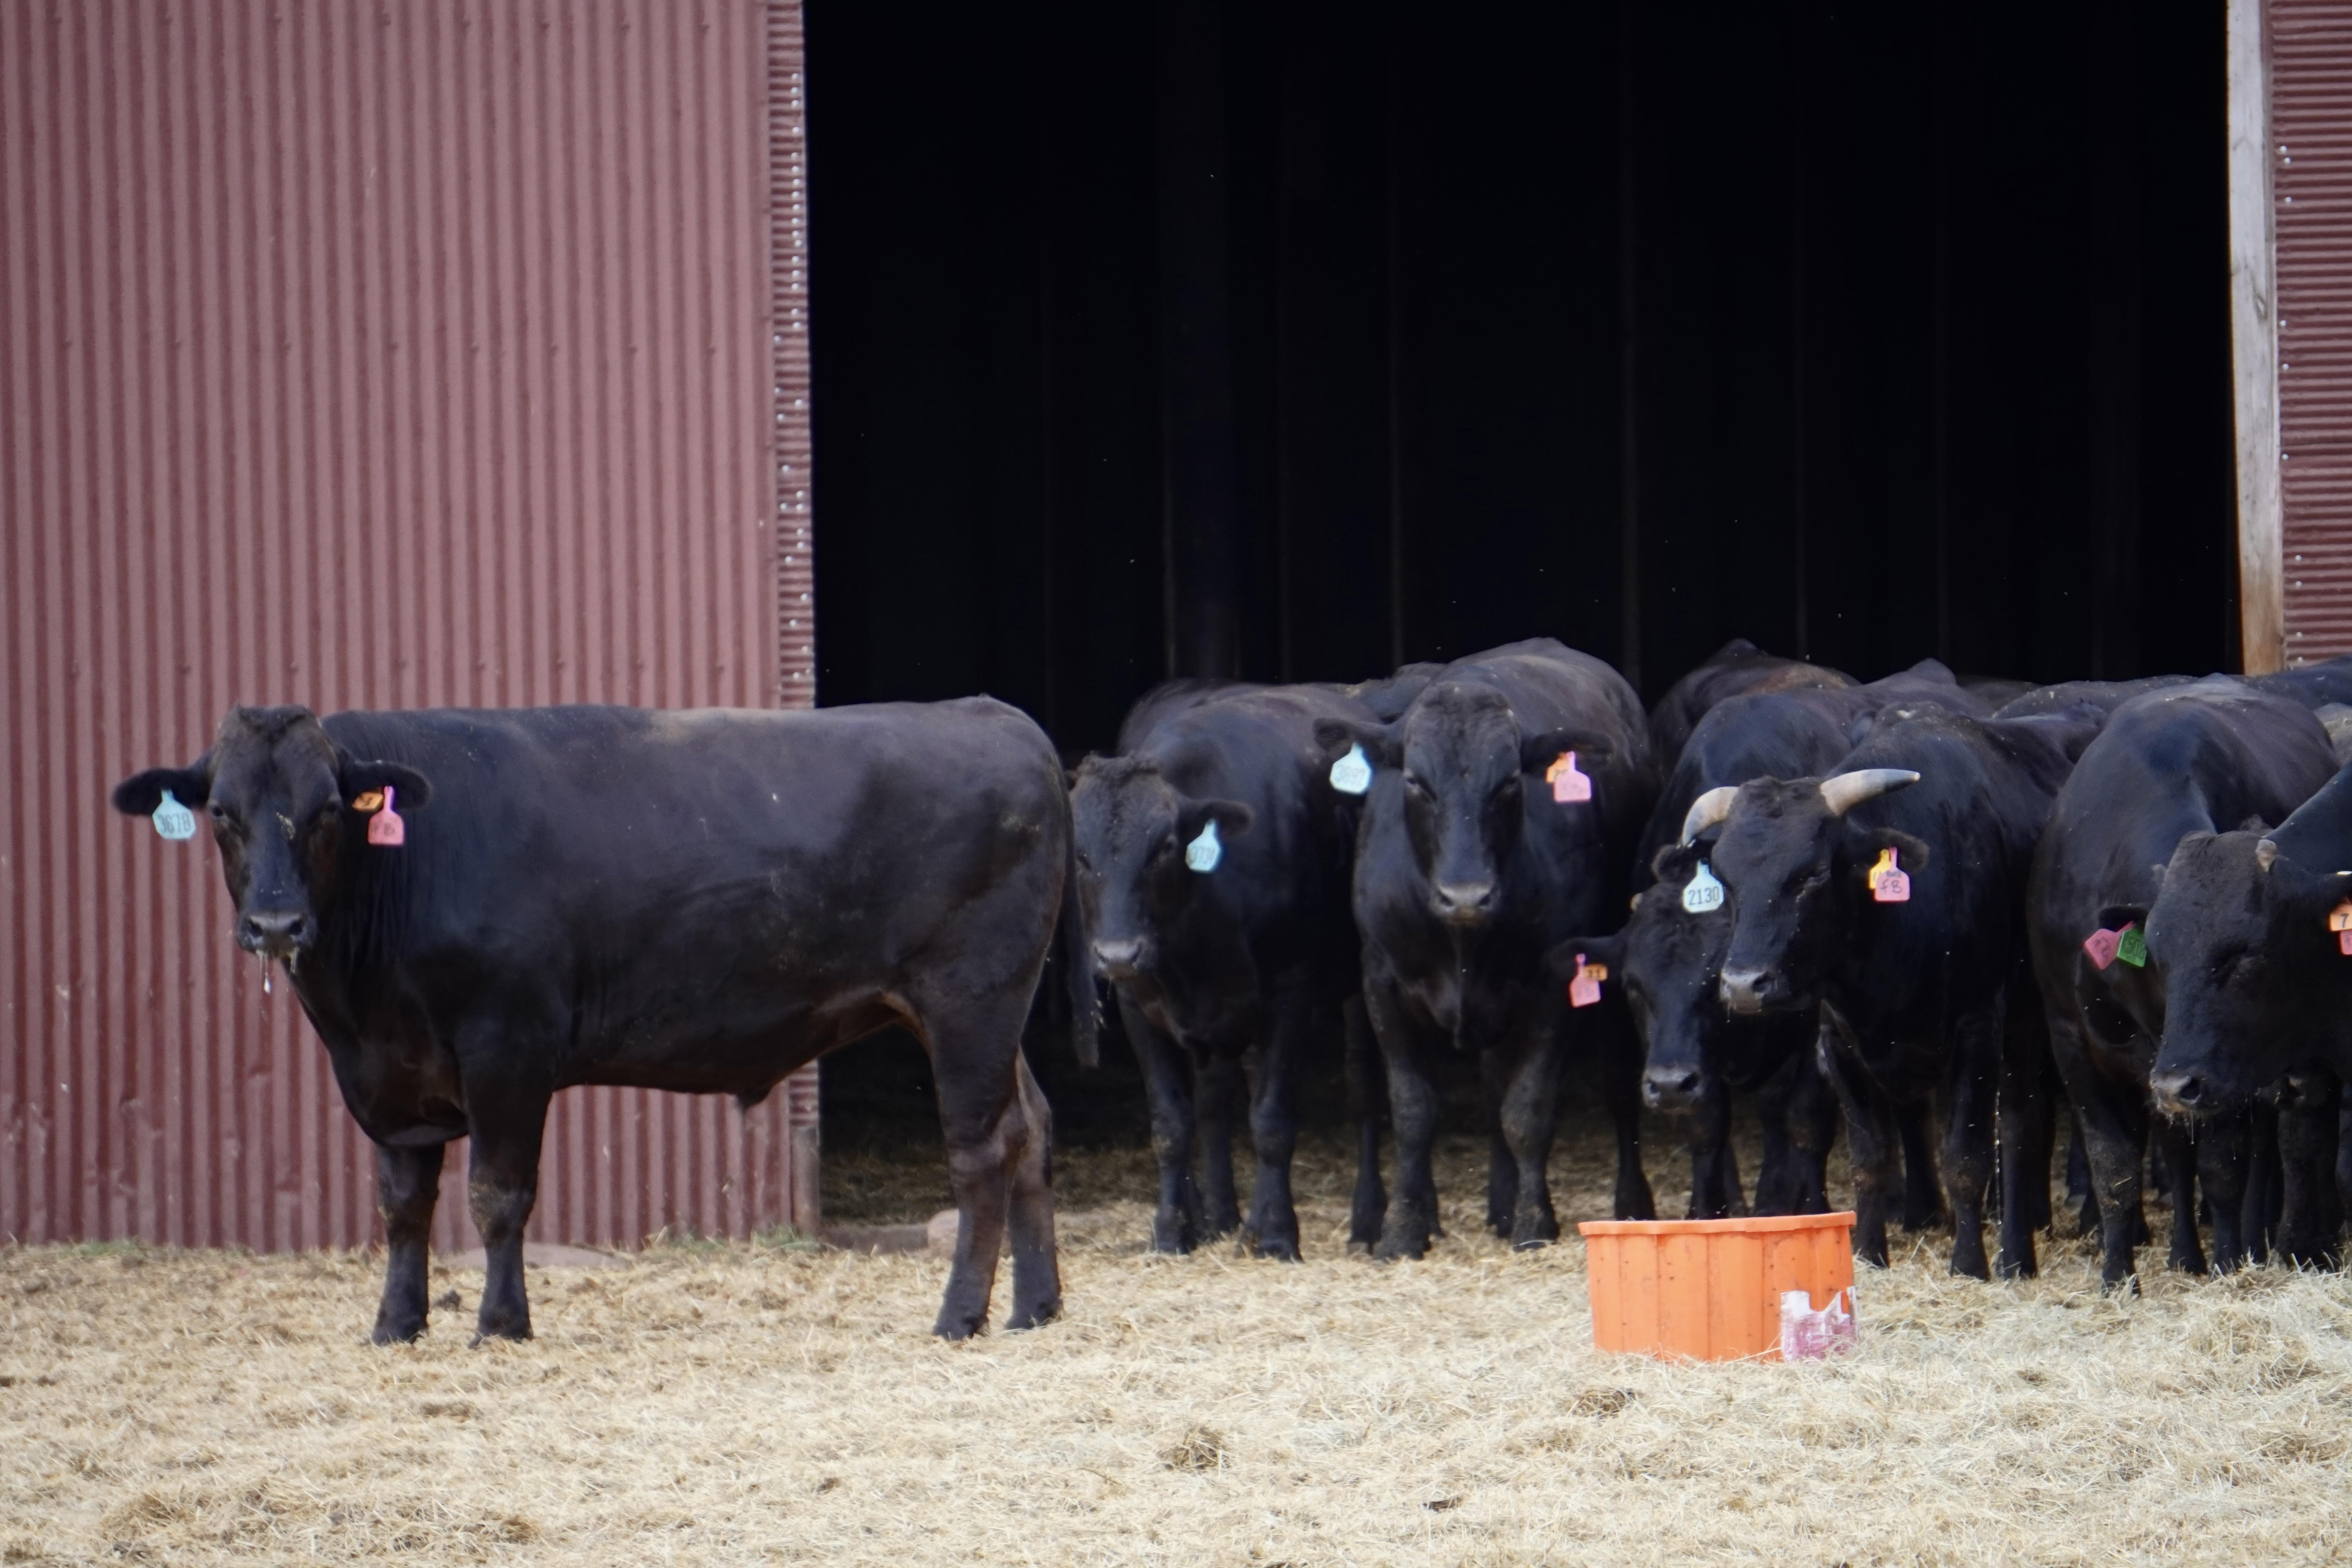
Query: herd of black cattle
[{"x": 1917, "y": 907}]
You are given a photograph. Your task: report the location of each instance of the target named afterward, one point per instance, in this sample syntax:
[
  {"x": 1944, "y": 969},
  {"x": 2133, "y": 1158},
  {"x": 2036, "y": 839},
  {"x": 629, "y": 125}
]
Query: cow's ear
[
  {"x": 1593, "y": 749},
  {"x": 140, "y": 794},
  {"x": 1674, "y": 863},
  {"x": 1233, "y": 818},
  {"x": 1910, "y": 853},
  {"x": 411, "y": 791},
  {"x": 1382, "y": 743},
  {"x": 1560, "y": 962},
  {"x": 2115, "y": 917}
]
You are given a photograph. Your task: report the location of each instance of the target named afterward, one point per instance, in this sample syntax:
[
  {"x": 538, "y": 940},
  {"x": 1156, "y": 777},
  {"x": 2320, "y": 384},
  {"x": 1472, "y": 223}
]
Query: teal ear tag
[
  {"x": 1203, "y": 853},
  {"x": 173, "y": 820},
  {"x": 1352, "y": 774},
  {"x": 2133, "y": 948},
  {"x": 1703, "y": 892}
]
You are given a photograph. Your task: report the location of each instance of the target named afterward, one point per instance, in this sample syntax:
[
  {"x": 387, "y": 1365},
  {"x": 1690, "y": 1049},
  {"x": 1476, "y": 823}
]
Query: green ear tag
[{"x": 2133, "y": 948}]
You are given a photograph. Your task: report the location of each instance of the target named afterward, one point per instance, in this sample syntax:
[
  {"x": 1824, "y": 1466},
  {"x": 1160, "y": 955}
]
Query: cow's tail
[{"x": 1078, "y": 965}]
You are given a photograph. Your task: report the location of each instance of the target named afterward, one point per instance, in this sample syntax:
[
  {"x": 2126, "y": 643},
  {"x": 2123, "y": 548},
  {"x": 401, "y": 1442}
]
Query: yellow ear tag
[
  {"x": 1889, "y": 884},
  {"x": 372, "y": 800},
  {"x": 2339, "y": 920}
]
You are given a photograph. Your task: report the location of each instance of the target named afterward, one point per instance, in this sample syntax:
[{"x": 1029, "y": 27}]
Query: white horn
[
  {"x": 1709, "y": 810},
  {"x": 1847, "y": 791},
  {"x": 2265, "y": 852}
]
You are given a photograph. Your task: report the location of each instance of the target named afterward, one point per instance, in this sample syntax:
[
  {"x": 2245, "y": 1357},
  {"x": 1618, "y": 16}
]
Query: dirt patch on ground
[{"x": 738, "y": 1403}]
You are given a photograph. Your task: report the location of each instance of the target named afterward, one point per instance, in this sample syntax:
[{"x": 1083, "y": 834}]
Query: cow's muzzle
[
  {"x": 1120, "y": 960},
  {"x": 2181, "y": 1093},
  {"x": 1672, "y": 1087},
  {"x": 1464, "y": 903},
  {"x": 1748, "y": 992},
  {"x": 276, "y": 933}
]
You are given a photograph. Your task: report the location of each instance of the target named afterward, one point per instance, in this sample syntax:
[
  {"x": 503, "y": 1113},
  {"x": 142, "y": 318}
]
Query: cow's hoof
[
  {"x": 1393, "y": 1248},
  {"x": 501, "y": 1328},
  {"x": 1281, "y": 1249},
  {"x": 2187, "y": 1263},
  {"x": 1033, "y": 1317},
  {"x": 401, "y": 1332},
  {"x": 1971, "y": 1267},
  {"x": 1170, "y": 1234},
  {"x": 2011, "y": 1269},
  {"x": 954, "y": 1325},
  {"x": 2127, "y": 1285}
]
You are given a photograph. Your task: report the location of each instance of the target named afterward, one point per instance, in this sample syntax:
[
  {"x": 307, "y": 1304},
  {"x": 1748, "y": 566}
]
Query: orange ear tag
[
  {"x": 369, "y": 803},
  {"x": 1568, "y": 785},
  {"x": 2339, "y": 920},
  {"x": 384, "y": 827},
  {"x": 1585, "y": 989},
  {"x": 1889, "y": 884}
]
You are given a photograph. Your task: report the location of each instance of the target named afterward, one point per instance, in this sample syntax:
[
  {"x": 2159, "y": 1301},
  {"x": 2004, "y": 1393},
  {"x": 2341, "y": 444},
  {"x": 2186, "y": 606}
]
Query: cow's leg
[
  {"x": 2078, "y": 1176},
  {"x": 1036, "y": 1269},
  {"x": 1619, "y": 1053},
  {"x": 1273, "y": 1123},
  {"x": 1923, "y": 1196},
  {"x": 1167, "y": 1093},
  {"x": 1530, "y": 1113},
  {"x": 2021, "y": 1119},
  {"x": 2114, "y": 1128},
  {"x": 2224, "y": 1146},
  {"x": 2259, "y": 1208},
  {"x": 1367, "y": 1095},
  {"x": 407, "y": 1181},
  {"x": 975, "y": 1048},
  {"x": 1715, "y": 1172},
  {"x": 1813, "y": 1117},
  {"x": 501, "y": 1189},
  {"x": 2343, "y": 1156},
  {"x": 2308, "y": 1222},
  {"x": 1970, "y": 1100},
  {"x": 1779, "y": 1178},
  {"x": 1502, "y": 1168},
  {"x": 1221, "y": 1096},
  {"x": 1873, "y": 1140},
  {"x": 1411, "y": 1217}
]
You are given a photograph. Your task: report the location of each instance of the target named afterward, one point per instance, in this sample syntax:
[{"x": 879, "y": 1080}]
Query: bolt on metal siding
[{"x": 364, "y": 357}]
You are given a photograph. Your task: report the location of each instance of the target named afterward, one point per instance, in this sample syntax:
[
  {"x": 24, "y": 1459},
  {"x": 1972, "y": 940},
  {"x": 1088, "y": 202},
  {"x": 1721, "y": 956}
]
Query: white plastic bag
[{"x": 1809, "y": 1335}]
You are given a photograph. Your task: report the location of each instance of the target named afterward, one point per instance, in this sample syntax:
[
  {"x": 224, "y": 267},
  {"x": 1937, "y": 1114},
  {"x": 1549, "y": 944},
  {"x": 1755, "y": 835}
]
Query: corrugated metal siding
[
  {"x": 2311, "y": 149},
  {"x": 366, "y": 357}
]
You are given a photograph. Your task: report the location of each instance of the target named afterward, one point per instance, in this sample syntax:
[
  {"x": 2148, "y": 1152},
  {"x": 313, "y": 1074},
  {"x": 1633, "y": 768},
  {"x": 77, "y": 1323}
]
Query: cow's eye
[{"x": 1413, "y": 782}]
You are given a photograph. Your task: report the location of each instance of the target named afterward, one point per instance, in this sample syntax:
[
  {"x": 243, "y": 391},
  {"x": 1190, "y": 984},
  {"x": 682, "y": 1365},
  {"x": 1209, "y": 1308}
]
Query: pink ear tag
[
  {"x": 384, "y": 827},
  {"x": 1568, "y": 785},
  {"x": 2100, "y": 946},
  {"x": 2339, "y": 920},
  {"x": 1585, "y": 989},
  {"x": 1889, "y": 884}
]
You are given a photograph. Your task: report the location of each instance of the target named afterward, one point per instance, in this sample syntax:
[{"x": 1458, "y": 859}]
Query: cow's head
[
  {"x": 1464, "y": 762},
  {"x": 1796, "y": 868},
  {"x": 2254, "y": 984},
  {"x": 1668, "y": 958},
  {"x": 1131, "y": 826},
  {"x": 279, "y": 791}
]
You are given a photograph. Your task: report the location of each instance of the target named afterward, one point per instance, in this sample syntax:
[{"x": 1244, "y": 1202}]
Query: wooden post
[{"x": 2254, "y": 335}]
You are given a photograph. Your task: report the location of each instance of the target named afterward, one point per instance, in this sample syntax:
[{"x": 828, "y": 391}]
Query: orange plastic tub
[{"x": 1710, "y": 1289}]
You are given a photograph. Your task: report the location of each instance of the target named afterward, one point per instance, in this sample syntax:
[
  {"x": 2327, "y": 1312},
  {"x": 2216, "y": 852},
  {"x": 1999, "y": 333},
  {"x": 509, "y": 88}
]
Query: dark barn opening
[{"x": 1295, "y": 341}]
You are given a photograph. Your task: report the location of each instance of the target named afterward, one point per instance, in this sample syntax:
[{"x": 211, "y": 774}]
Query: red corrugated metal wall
[
  {"x": 2311, "y": 151},
  {"x": 366, "y": 355}
]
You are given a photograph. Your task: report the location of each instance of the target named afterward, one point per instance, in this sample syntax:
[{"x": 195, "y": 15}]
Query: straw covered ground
[{"x": 732, "y": 1404}]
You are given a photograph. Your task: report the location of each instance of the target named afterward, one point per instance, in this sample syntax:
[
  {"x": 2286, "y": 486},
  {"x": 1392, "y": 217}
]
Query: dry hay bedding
[{"x": 741, "y": 1403}]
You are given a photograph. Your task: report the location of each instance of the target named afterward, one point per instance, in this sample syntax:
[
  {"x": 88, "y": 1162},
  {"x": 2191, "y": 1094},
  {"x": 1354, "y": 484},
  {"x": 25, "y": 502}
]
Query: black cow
[
  {"x": 1214, "y": 859},
  {"x": 1735, "y": 669},
  {"x": 2179, "y": 759},
  {"x": 699, "y": 901},
  {"x": 1468, "y": 870},
  {"x": 1927, "y": 996},
  {"x": 2312, "y": 685},
  {"x": 2258, "y": 992}
]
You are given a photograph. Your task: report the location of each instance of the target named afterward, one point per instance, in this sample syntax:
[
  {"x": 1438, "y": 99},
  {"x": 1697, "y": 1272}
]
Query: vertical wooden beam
[{"x": 2253, "y": 336}]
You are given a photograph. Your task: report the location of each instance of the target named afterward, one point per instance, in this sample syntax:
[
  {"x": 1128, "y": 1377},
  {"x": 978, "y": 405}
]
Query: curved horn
[
  {"x": 2265, "y": 852},
  {"x": 1847, "y": 791},
  {"x": 1709, "y": 810}
]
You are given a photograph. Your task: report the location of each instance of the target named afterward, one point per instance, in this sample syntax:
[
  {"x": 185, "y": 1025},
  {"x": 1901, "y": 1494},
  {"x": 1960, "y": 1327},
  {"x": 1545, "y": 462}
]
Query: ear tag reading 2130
[
  {"x": 1203, "y": 853},
  {"x": 2339, "y": 920},
  {"x": 385, "y": 828},
  {"x": 1568, "y": 785},
  {"x": 173, "y": 820},
  {"x": 1585, "y": 989},
  {"x": 1352, "y": 774},
  {"x": 1889, "y": 883},
  {"x": 1703, "y": 893}
]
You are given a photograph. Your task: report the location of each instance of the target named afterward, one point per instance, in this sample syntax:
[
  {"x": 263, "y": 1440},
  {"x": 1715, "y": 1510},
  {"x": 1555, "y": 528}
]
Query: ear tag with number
[
  {"x": 1889, "y": 883},
  {"x": 2339, "y": 920},
  {"x": 384, "y": 827},
  {"x": 1203, "y": 853},
  {"x": 1568, "y": 785},
  {"x": 1352, "y": 774},
  {"x": 2131, "y": 945},
  {"x": 2100, "y": 946},
  {"x": 173, "y": 820},
  {"x": 1703, "y": 893},
  {"x": 1585, "y": 989}
]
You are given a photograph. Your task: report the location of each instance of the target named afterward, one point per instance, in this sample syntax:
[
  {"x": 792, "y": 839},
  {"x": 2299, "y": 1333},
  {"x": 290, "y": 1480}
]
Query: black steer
[
  {"x": 2180, "y": 760},
  {"x": 1213, "y": 857},
  {"x": 1924, "y": 997},
  {"x": 700, "y": 901},
  {"x": 1735, "y": 669},
  {"x": 1468, "y": 871}
]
